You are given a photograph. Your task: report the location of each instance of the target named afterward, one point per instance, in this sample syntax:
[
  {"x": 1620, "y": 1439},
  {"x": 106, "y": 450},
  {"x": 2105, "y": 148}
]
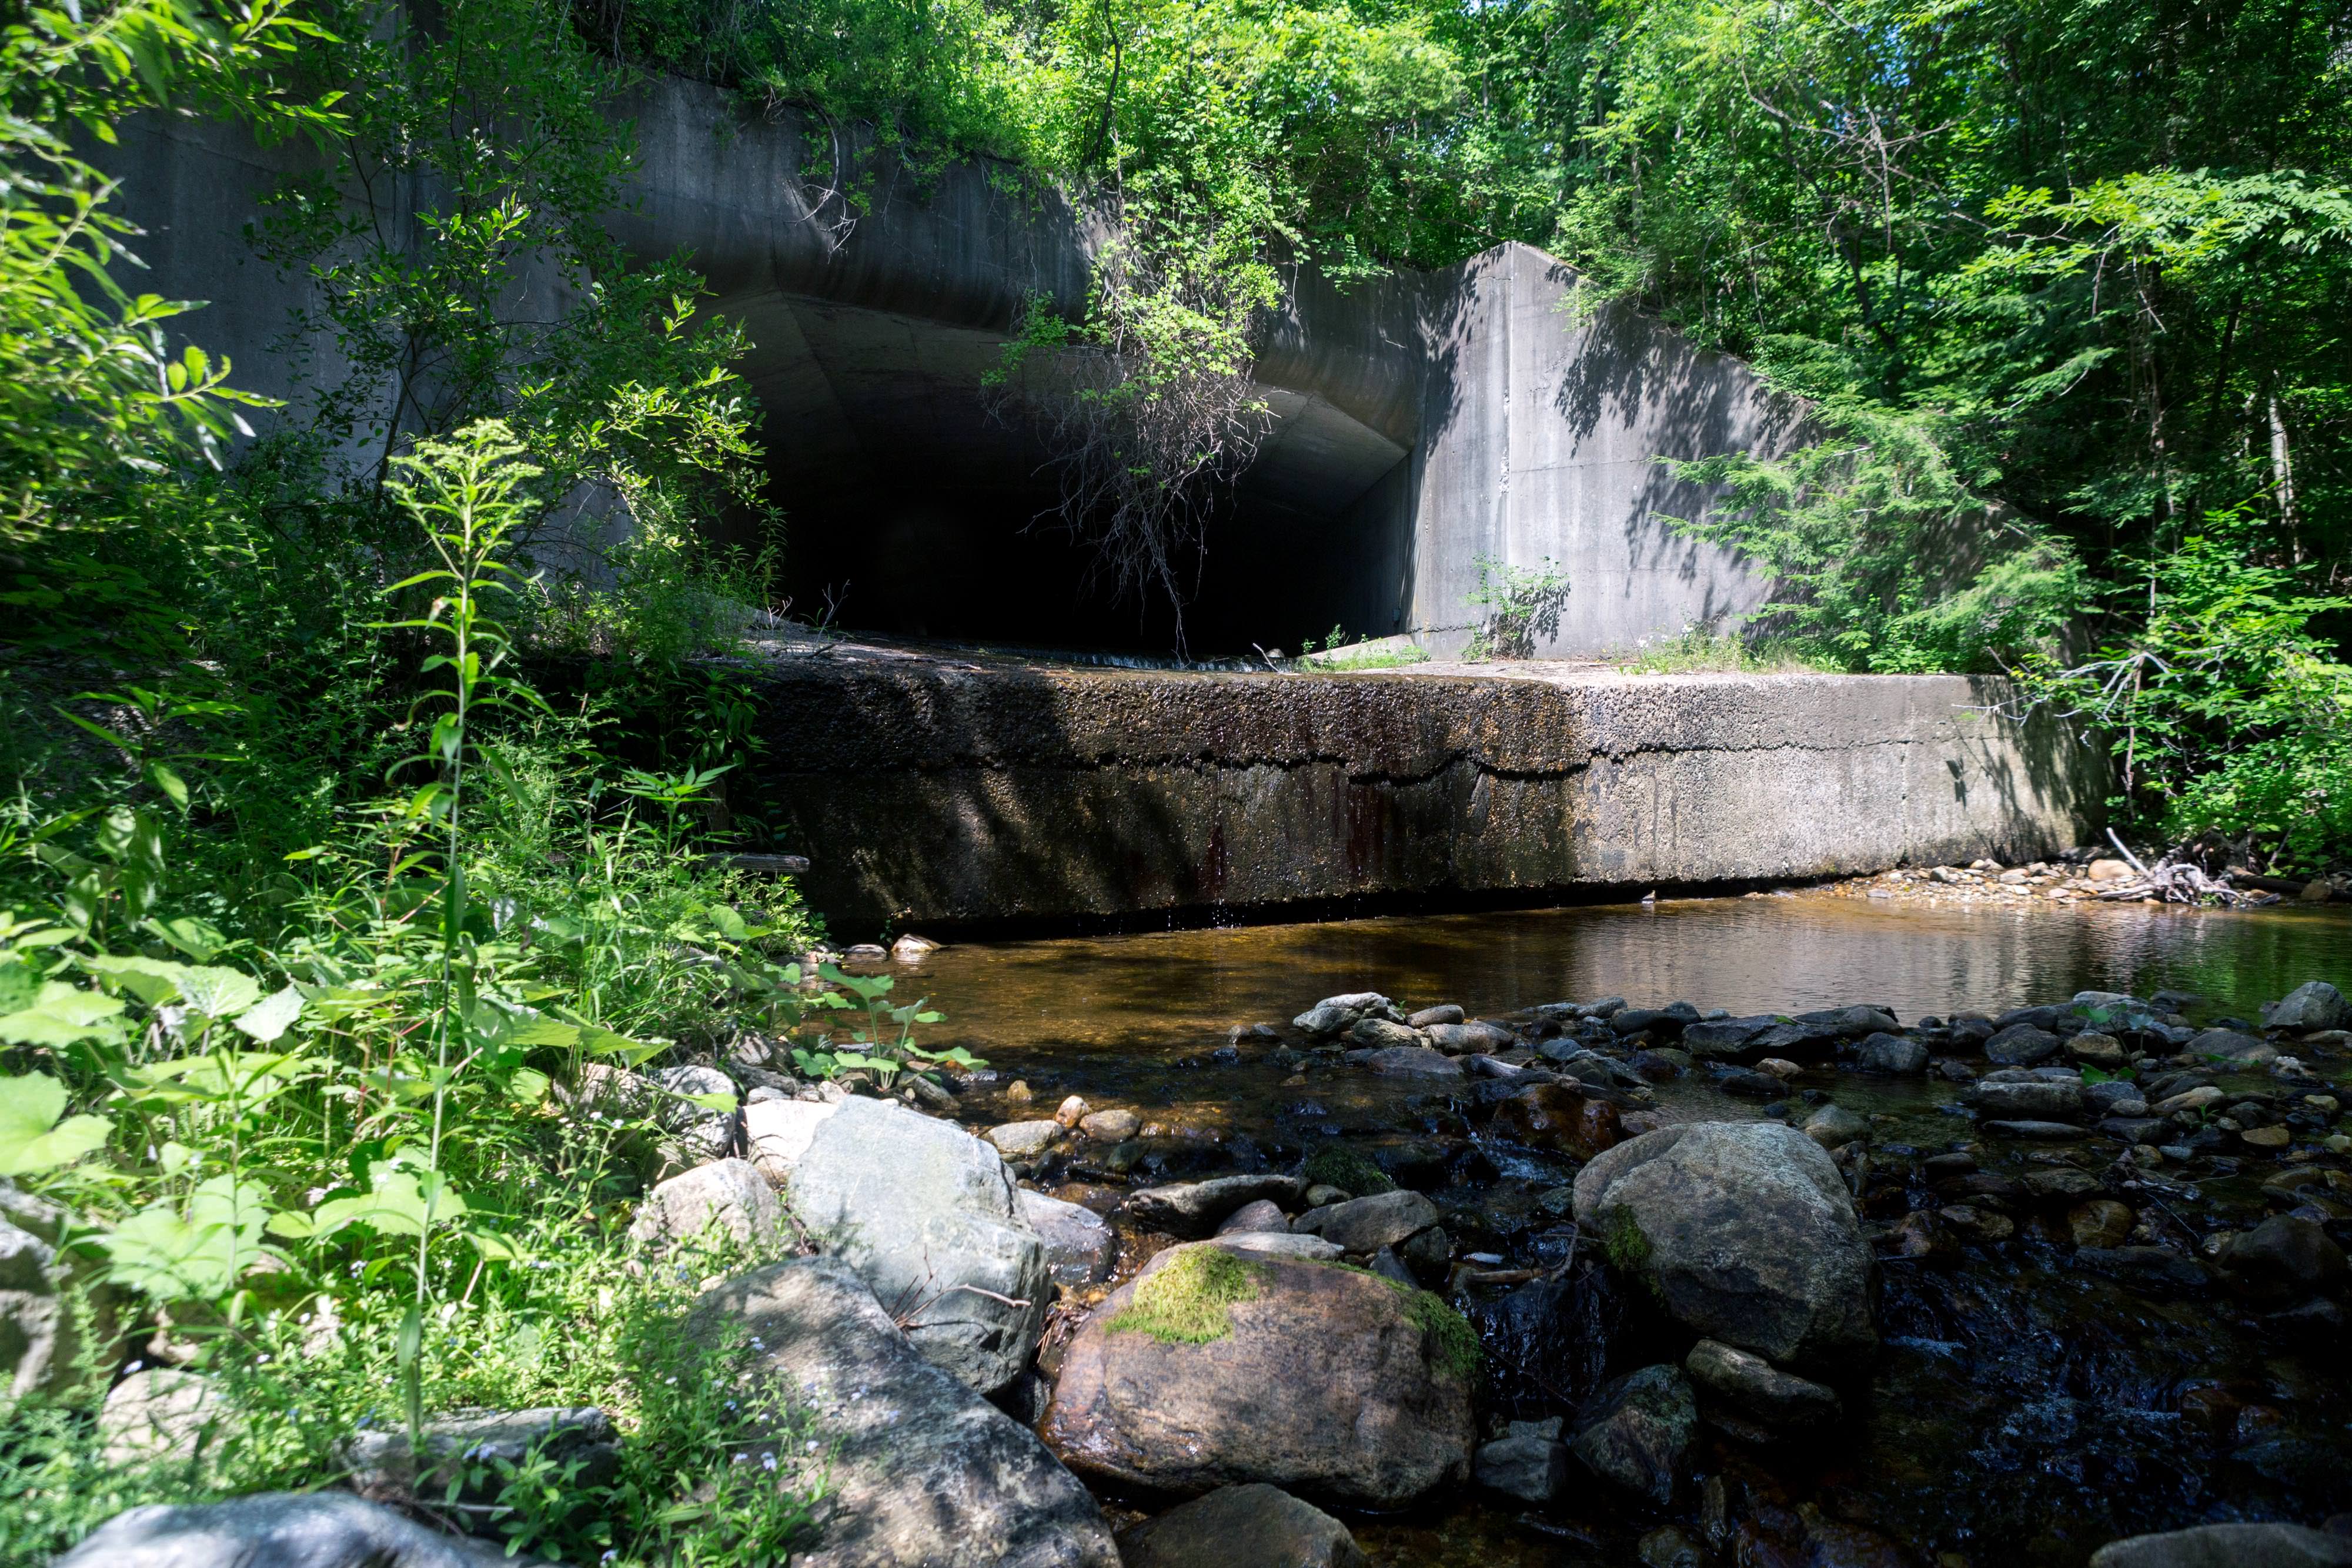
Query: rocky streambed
[
  {"x": 1831, "y": 1286},
  {"x": 1582, "y": 1282}
]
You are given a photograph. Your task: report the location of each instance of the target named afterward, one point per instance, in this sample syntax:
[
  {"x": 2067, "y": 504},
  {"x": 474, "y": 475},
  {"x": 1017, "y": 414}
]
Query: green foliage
[
  {"x": 1523, "y": 605},
  {"x": 2059, "y": 281},
  {"x": 1189, "y": 1299},
  {"x": 1870, "y": 536},
  {"x": 2229, "y": 714},
  {"x": 881, "y": 1045}
]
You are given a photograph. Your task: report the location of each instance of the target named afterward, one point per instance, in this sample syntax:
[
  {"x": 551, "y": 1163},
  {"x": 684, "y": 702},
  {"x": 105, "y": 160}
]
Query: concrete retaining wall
[
  {"x": 1420, "y": 421},
  {"x": 983, "y": 794}
]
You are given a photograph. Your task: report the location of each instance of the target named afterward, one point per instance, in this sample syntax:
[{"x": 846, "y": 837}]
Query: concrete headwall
[
  {"x": 1421, "y": 421},
  {"x": 981, "y": 794}
]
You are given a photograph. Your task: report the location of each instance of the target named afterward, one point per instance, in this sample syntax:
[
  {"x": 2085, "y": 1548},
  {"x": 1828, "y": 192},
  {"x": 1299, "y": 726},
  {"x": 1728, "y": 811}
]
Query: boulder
[
  {"x": 1024, "y": 1141},
  {"x": 1194, "y": 1208},
  {"x": 2100, "y": 1223},
  {"x": 1557, "y": 1120},
  {"x": 2289, "y": 1251},
  {"x": 1212, "y": 1369},
  {"x": 37, "y": 1338},
  {"x": 1757, "y": 1387},
  {"x": 1743, "y": 1231},
  {"x": 1891, "y": 1053},
  {"x": 2229, "y": 1546},
  {"x": 160, "y": 1414},
  {"x": 2312, "y": 1006},
  {"x": 1110, "y": 1126},
  {"x": 277, "y": 1529},
  {"x": 1337, "y": 1014},
  {"x": 1638, "y": 1432},
  {"x": 2021, "y": 1045},
  {"x": 1832, "y": 1126},
  {"x": 1473, "y": 1038},
  {"x": 383, "y": 1468},
  {"x": 1369, "y": 1224},
  {"x": 920, "y": 1210},
  {"x": 1379, "y": 1034},
  {"x": 1255, "y": 1524},
  {"x": 1445, "y": 1012},
  {"x": 1265, "y": 1213},
  {"x": 2030, "y": 1100},
  {"x": 728, "y": 1197},
  {"x": 1080, "y": 1246},
  {"x": 1726, "y": 1039},
  {"x": 2232, "y": 1045},
  {"x": 1283, "y": 1244},
  {"x": 704, "y": 1126},
  {"x": 1412, "y": 1062},
  {"x": 919, "y": 1468},
  {"x": 2093, "y": 1048},
  {"x": 1531, "y": 1469}
]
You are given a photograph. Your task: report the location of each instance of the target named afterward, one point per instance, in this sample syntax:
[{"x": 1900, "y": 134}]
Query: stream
[{"x": 2022, "y": 1409}]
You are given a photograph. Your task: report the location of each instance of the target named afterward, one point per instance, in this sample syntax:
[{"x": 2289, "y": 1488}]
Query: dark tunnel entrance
[{"x": 912, "y": 510}]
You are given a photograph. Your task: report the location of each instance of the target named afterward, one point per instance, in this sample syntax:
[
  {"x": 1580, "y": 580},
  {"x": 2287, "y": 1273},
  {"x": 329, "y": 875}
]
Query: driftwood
[{"x": 2177, "y": 880}]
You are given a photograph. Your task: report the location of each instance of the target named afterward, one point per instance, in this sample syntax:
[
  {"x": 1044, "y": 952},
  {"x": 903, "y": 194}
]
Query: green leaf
[
  {"x": 219, "y": 993},
  {"x": 403, "y": 1201},
  {"x": 62, "y": 1014},
  {"x": 20, "y": 985},
  {"x": 31, "y": 1138},
  {"x": 152, "y": 980},
  {"x": 272, "y": 1015},
  {"x": 202, "y": 1255}
]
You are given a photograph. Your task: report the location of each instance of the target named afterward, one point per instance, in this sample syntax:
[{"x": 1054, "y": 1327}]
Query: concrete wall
[
  {"x": 973, "y": 794},
  {"x": 1421, "y": 421}
]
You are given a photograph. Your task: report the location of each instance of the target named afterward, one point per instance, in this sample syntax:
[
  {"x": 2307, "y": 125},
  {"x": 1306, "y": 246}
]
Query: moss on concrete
[{"x": 1189, "y": 1300}]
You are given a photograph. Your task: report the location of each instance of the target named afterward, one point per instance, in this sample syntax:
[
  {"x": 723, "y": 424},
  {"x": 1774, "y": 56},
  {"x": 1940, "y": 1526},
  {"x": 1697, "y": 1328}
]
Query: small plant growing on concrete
[{"x": 1522, "y": 605}]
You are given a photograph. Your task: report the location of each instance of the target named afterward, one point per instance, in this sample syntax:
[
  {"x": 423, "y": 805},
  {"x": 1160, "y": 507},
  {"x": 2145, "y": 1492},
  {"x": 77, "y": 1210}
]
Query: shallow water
[
  {"x": 2022, "y": 1410},
  {"x": 1170, "y": 991}
]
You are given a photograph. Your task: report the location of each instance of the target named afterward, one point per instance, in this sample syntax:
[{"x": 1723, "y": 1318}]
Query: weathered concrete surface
[
  {"x": 1419, "y": 421},
  {"x": 978, "y": 791}
]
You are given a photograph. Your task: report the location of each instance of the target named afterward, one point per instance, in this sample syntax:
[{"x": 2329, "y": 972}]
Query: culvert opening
[{"x": 915, "y": 511}]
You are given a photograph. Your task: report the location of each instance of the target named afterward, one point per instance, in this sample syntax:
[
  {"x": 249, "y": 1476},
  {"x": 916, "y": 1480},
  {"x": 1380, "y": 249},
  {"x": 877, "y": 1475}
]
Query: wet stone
[
  {"x": 2042, "y": 1132},
  {"x": 2061, "y": 1181},
  {"x": 1410, "y": 1061},
  {"x": 1892, "y": 1054},
  {"x": 1263, "y": 1215},
  {"x": 1255, "y": 1523},
  {"x": 2021, "y": 1045},
  {"x": 1530, "y": 1469},
  {"x": 2100, "y": 1223},
  {"x": 1369, "y": 1224},
  {"x": 1638, "y": 1433},
  {"x": 1757, "y": 1387}
]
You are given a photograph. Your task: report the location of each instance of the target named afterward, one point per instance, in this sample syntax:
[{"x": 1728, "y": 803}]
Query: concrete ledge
[{"x": 983, "y": 792}]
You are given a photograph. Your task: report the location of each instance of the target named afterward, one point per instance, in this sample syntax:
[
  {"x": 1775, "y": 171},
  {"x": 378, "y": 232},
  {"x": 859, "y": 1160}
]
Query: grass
[
  {"x": 1698, "y": 651},
  {"x": 1189, "y": 1300}
]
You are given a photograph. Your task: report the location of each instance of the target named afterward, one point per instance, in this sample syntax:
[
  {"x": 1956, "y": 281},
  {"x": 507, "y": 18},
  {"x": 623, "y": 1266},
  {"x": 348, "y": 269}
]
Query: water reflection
[{"x": 1172, "y": 992}]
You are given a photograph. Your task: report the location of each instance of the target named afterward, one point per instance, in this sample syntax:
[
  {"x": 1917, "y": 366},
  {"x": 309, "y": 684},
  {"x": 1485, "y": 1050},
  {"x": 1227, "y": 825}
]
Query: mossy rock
[
  {"x": 1348, "y": 1169},
  {"x": 1190, "y": 1301}
]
